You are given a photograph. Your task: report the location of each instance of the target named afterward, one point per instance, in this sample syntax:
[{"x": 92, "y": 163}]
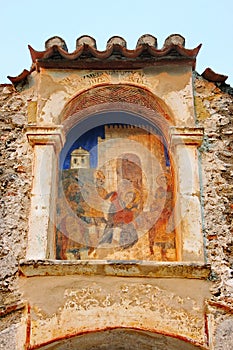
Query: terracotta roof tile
[
  {"x": 22, "y": 76},
  {"x": 116, "y": 55},
  {"x": 173, "y": 50},
  {"x": 210, "y": 75}
]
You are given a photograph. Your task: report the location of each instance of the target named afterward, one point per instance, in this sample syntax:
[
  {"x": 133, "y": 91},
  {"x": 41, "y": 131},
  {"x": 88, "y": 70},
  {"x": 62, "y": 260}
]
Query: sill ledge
[{"x": 131, "y": 268}]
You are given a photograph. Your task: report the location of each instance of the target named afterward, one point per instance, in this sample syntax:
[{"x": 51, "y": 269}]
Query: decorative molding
[
  {"x": 46, "y": 135},
  {"x": 187, "y": 136}
]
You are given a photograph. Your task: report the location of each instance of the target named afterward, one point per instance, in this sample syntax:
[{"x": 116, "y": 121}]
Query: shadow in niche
[{"x": 122, "y": 339}]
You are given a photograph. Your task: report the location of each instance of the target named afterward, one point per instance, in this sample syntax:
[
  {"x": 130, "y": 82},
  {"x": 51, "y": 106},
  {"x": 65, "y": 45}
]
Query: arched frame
[{"x": 182, "y": 143}]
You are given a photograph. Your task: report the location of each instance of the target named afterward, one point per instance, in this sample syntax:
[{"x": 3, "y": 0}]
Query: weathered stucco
[
  {"x": 98, "y": 303},
  {"x": 173, "y": 86}
]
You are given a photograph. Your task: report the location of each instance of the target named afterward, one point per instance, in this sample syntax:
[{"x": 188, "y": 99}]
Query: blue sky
[{"x": 32, "y": 22}]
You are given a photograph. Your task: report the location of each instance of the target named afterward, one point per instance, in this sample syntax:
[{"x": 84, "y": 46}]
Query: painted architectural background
[{"x": 120, "y": 208}]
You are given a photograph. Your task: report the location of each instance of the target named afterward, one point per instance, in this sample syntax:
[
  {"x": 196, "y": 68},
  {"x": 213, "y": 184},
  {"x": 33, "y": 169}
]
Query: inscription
[
  {"x": 74, "y": 82},
  {"x": 95, "y": 78}
]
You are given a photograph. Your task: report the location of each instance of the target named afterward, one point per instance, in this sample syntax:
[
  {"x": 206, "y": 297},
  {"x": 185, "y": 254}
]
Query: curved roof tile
[
  {"x": 85, "y": 49},
  {"x": 22, "y": 76},
  {"x": 210, "y": 75},
  {"x": 116, "y": 55}
]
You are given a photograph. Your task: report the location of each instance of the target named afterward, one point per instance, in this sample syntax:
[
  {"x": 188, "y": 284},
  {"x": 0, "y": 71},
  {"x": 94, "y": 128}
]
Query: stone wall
[
  {"x": 214, "y": 110},
  {"x": 215, "y": 113},
  {"x": 15, "y": 182}
]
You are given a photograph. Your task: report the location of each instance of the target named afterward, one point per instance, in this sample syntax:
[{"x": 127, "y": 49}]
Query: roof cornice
[{"x": 115, "y": 56}]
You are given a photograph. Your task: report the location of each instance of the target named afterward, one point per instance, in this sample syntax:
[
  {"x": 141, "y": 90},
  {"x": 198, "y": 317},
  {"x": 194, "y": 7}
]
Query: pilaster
[
  {"x": 46, "y": 142},
  {"x": 185, "y": 143}
]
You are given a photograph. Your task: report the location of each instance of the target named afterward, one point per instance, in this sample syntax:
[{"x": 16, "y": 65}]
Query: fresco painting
[{"x": 120, "y": 204}]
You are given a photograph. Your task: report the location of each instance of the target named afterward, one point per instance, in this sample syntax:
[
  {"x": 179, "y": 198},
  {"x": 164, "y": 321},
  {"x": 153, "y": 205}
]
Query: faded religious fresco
[{"x": 116, "y": 197}]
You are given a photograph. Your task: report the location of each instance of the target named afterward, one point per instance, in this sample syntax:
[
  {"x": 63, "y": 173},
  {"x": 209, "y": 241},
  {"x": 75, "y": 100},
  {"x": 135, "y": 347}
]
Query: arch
[
  {"x": 122, "y": 339},
  {"x": 78, "y": 124},
  {"x": 151, "y": 110},
  {"x": 118, "y": 97},
  {"x": 136, "y": 107},
  {"x": 119, "y": 222}
]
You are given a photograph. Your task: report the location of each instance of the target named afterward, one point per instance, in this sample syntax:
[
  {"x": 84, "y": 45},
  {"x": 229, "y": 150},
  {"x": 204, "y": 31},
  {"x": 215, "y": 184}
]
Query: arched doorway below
[{"x": 122, "y": 339}]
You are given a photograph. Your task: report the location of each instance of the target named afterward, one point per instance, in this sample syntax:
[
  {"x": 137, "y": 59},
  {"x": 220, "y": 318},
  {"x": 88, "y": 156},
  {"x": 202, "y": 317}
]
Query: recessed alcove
[
  {"x": 135, "y": 195},
  {"x": 116, "y": 191}
]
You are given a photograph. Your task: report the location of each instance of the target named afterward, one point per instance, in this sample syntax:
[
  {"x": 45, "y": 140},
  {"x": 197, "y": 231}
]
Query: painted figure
[
  {"x": 163, "y": 197},
  {"x": 118, "y": 205},
  {"x": 120, "y": 216}
]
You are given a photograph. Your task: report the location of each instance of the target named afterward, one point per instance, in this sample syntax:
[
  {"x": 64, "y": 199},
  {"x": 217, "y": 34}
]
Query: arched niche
[
  {"x": 121, "y": 206},
  {"x": 96, "y": 105}
]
